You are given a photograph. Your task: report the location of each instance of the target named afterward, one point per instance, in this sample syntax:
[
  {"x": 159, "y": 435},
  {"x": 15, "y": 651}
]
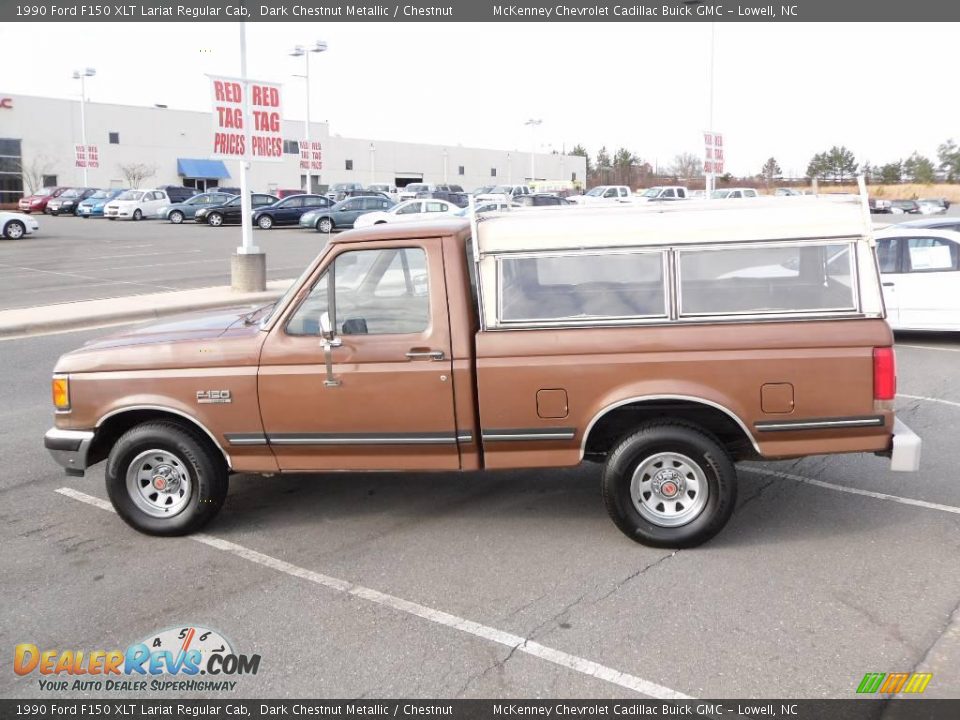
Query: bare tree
[
  {"x": 33, "y": 172},
  {"x": 136, "y": 173},
  {"x": 687, "y": 166}
]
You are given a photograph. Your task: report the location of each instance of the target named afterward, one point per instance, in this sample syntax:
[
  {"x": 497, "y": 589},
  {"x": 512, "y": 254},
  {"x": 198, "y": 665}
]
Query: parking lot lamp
[
  {"x": 300, "y": 51},
  {"x": 533, "y": 144},
  {"x": 82, "y": 76},
  {"x": 445, "y": 174}
]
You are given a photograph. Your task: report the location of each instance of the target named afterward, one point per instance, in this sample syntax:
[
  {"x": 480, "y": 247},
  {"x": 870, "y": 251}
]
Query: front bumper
[
  {"x": 69, "y": 448},
  {"x": 905, "y": 456}
]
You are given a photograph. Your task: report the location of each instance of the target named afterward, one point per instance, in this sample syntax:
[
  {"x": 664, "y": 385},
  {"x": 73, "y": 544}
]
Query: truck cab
[{"x": 604, "y": 195}]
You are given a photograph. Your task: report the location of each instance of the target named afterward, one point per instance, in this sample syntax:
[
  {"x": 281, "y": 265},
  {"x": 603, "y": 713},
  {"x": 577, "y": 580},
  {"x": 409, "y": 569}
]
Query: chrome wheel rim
[
  {"x": 215, "y": 220},
  {"x": 159, "y": 483},
  {"x": 265, "y": 223},
  {"x": 325, "y": 226},
  {"x": 176, "y": 218},
  {"x": 14, "y": 231},
  {"x": 669, "y": 489}
]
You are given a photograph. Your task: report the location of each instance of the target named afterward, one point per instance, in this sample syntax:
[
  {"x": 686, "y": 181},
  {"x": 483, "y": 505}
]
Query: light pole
[
  {"x": 300, "y": 51},
  {"x": 533, "y": 144},
  {"x": 445, "y": 155},
  {"x": 373, "y": 163},
  {"x": 82, "y": 76},
  {"x": 710, "y": 179}
]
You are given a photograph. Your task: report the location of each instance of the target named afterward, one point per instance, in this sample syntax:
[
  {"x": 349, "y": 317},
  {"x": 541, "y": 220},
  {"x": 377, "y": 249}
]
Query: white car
[
  {"x": 421, "y": 209},
  {"x": 920, "y": 274},
  {"x": 734, "y": 193},
  {"x": 14, "y": 225},
  {"x": 135, "y": 205},
  {"x": 603, "y": 195},
  {"x": 931, "y": 207}
]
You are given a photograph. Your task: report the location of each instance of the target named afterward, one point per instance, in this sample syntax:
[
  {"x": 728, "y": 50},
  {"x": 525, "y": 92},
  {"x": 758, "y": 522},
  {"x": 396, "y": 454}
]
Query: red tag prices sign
[
  {"x": 311, "y": 155},
  {"x": 231, "y": 126},
  {"x": 87, "y": 156},
  {"x": 713, "y": 153}
]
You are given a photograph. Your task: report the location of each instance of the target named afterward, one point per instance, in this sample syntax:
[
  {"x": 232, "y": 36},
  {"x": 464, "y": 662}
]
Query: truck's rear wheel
[
  {"x": 669, "y": 485},
  {"x": 165, "y": 479}
]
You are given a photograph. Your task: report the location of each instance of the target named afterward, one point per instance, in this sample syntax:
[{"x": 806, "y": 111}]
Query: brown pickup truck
[{"x": 667, "y": 343}]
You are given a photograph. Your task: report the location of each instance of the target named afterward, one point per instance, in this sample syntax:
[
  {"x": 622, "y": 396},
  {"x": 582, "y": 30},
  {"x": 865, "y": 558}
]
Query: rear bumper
[
  {"x": 69, "y": 448},
  {"x": 905, "y": 456}
]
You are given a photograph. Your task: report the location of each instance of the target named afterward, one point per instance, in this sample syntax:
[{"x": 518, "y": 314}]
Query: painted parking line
[
  {"x": 941, "y": 401},
  {"x": 853, "y": 491},
  {"x": 514, "y": 642}
]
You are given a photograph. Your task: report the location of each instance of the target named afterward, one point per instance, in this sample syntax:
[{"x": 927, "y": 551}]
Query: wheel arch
[
  {"x": 615, "y": 419},
  {"x": 116, "y": 422}
]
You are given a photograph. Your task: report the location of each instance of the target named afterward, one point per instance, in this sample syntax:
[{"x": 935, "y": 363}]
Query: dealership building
[{"x": 38, "y": 136}]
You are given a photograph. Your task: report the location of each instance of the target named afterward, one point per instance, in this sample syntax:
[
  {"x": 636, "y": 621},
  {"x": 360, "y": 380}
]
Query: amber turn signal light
[{"x": 61, "y": 393}]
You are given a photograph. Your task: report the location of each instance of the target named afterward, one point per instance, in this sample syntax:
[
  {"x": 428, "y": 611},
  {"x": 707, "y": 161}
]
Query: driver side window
[{"x": 377, "y": 292}]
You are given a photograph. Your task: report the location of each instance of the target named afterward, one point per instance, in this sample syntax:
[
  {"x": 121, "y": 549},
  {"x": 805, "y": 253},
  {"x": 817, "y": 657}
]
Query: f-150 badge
[{"x": 213, "y": 396}]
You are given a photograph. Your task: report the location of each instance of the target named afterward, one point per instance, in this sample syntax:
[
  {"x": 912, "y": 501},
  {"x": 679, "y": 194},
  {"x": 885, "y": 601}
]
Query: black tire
[
  {"x": 690, "y": 442},
  {"x": 205, "y": 466},
  {"x": 380, "y": 222},
  {"x": 325, "y": 225},
  {"x": 176, "y": 217},
  {"x": 137, "y": 215},
  {"x": 14, "y": 230},
  {"x": 111, "y": 218}
]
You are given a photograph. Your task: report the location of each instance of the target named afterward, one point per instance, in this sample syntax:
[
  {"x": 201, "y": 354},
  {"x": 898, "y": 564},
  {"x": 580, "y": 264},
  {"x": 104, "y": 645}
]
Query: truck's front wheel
[
  {"x": 165, "y": 479},
  {"x": 670, "y": 485}
]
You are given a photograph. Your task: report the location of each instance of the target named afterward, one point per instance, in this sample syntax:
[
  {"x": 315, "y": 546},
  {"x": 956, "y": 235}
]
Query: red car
[{"x": 38, "y": 201}]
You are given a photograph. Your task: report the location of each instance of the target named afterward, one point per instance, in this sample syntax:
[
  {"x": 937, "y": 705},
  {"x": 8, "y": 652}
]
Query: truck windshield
[
  {"x": 651, "y": 192},
  {"x": 596, "y": 192}
]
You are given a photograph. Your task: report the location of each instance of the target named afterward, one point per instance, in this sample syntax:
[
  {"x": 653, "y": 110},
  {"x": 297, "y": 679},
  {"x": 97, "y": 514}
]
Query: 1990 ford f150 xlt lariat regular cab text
[{"x": 668, "y": 342}]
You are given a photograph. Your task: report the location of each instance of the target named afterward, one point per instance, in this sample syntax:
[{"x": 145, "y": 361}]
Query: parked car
[
  {"x": 363, "y": 193},
  {"x": 904, "y": 207},
  {"x": 787, "y": 192},
  {"x": 460, "y": 199},
  {"x": 178, "y": 193},
  {"x": 604, "y": 195},
  {"x": 408, "y": 211},
  {"x": 504, "y": 193},
  {"x": 942, "y": 202},
  {"x": 285, "y": 192},
  {"x": 38, "y": 201},
  {"x": 135, "y": 204},
  {"x": 68, "y": 202},
  {"x": 415, "y": 190},
  {"x": 878, "y": 205},
  {"x": 482, "y": 190},
  {"x": 93, "y": 205},
  {"x": 934, "y": 223},
  {"x": 15, "y": 225},
  {"x": 487, "y": 207},
  {"x": 661, "y": 193},
  {"x": 733, "y": 193},
  {"x": 541, "y": 200},
  {"x": 920, "y": 275},
  {"x": 187, "y": 210},
  {"x": 288, "y": 210},
  {"x": 542, "y": 341},
  {"x": 337, "y": 190},
  {"x": 344, "y": 214},
  {"x": 387, "y": 189},
  {"x": 231, "y": 211},
  {"x": 931, "y": 207}
]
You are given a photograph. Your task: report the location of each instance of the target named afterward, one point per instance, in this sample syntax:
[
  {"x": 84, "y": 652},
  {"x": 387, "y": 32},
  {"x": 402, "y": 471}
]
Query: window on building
[
  {"x": 573, "y": 177},
  {"x": 349, "y": 165},
  {"x": 493, "y": 172},
  {"x": 291, "y": 147},
  {"x": 11, "y": 176},
  {"x": 114, "y": 138},
  {"x": 460, "y": 170},
  {"x": 51, "y": 181}
]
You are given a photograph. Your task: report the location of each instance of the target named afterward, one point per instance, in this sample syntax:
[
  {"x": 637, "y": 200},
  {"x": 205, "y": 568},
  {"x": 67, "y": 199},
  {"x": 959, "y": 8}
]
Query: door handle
[
  {"x": 423, "y": 354},
  {"x": 888, "y": 284}
]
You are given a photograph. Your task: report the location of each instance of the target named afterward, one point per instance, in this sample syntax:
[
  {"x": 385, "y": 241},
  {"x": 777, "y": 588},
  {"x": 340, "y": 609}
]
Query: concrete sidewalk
[{"x": 130, "y": 308}]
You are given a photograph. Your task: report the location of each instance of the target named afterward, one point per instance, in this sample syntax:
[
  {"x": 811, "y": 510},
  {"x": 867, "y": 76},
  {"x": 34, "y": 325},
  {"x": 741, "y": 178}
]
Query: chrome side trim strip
[
  {"x": 687, "y": 398},
  {"x": 442, "y": 438},
  {"x": 246, "y": 438},
  {"x": 524, "y": 434},
  {"x": 819, "y": 423}
]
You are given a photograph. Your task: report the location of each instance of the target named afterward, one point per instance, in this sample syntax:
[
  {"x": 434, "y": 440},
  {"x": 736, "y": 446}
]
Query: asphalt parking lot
[
  {"x": 74, "y": 258},
  {"x": 419, "y": 585}
]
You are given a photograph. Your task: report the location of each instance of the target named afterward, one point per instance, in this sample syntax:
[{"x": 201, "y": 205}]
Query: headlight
[{"x": 61, "y": 392}]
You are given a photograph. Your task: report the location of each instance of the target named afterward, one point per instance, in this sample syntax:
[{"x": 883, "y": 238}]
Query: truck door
[{"x": 381, "y": 398}]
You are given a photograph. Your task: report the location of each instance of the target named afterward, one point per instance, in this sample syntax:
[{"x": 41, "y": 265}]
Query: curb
[{"x": 120, "y": 315}]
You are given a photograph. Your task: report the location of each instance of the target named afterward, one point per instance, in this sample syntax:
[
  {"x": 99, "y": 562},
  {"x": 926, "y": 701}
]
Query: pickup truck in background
[
  {"x": 663, "y": 192},
  {"x": 665, "y": 342},
  {"x": 504, "y": 193},
  {"x": 604, "y": 195}
]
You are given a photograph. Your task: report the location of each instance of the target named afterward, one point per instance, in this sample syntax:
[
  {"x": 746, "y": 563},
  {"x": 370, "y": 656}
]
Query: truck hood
[{"x": 208, "y": 339}]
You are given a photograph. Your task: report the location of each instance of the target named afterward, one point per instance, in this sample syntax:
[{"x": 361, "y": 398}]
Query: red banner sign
[
  {"x": 311, "y": 155},
  {"x": 87, "y": 156},
  {"x": 262, "y": 121},
  {"x": 713, "y": 153}
]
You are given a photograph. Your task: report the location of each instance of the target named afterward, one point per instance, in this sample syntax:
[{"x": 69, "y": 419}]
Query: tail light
[{"x": 884, "y": 374}]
